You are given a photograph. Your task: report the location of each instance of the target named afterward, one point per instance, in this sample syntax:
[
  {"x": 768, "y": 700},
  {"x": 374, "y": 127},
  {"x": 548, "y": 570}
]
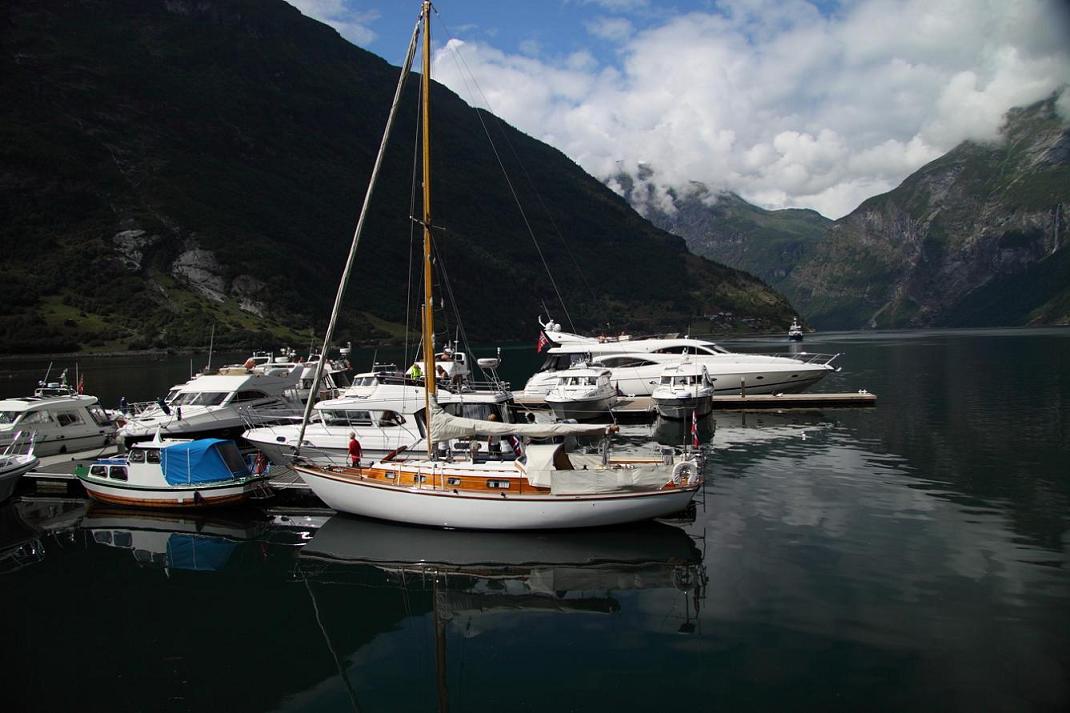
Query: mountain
[
  {"x": 168, "y": 167},
  {"x": 977, "y": 237}
]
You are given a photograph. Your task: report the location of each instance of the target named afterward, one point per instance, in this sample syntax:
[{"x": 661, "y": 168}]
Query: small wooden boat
[{"x": 175, "y": 474}]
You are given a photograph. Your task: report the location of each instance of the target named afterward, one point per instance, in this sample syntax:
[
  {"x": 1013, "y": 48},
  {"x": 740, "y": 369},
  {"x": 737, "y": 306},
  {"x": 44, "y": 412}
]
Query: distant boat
[
  {"x": 175, "y": 474},
  {"x": 795, "y": 331}
]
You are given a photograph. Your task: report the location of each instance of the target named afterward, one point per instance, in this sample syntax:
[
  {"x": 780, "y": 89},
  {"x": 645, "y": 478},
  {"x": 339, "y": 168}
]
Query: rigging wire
[{"x": 512, "y": 189}]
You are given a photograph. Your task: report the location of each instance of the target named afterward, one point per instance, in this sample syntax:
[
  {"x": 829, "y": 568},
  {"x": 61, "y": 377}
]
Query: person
[
  {"x": 355, "y": 451},
  {"x": 493, "y": 441},
  {"x": 415, "y": 372}
]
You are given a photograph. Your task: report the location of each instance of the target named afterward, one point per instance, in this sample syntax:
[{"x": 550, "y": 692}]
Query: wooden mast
[{"x": 428, "y": 312}]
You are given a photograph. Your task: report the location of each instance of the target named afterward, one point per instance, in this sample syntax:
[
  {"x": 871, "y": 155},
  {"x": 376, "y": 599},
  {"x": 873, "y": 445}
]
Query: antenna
[{"x": 211, "y": 346}]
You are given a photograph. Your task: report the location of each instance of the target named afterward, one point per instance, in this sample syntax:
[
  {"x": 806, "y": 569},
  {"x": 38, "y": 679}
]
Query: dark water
[{"x": 912, "y": 556}]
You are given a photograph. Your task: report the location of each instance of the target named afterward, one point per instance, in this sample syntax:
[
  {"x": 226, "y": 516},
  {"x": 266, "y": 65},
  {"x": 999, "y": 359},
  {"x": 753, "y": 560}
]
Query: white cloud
[
  {"x": 774, "y": 100},
  {"x": 614, "y": 29},
  {"x": 351, "y": 24}
]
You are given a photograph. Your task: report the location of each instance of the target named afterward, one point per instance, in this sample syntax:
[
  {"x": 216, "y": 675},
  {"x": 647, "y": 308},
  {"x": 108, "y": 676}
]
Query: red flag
[
  {"x": 694, "y": 430},
  {"x": 81, "y": 384}
]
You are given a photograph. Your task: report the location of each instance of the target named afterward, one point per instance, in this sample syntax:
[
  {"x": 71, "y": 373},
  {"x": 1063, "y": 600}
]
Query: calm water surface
[{"x": 912, "y": 556}]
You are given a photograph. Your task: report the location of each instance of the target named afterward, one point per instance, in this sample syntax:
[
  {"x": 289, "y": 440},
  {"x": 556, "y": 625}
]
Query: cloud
[
  {"x": 351, "y": 24},
  {"x": 777, "y": 101}
]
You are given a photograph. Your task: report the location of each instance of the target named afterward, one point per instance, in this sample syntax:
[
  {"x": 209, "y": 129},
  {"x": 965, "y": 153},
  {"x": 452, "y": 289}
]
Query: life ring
[{"x": 685, "y": 472}]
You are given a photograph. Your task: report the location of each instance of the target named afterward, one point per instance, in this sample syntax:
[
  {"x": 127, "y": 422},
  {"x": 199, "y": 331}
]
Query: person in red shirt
[{"x": 354, "y": 450}]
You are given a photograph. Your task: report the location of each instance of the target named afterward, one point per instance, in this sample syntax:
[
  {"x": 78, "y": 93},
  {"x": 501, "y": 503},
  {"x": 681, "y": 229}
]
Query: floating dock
[{"x": 640, "y": 406}]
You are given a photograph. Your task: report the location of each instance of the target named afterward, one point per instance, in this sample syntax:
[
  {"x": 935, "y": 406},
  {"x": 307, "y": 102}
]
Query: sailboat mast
[{"x": 428, "y": 315}]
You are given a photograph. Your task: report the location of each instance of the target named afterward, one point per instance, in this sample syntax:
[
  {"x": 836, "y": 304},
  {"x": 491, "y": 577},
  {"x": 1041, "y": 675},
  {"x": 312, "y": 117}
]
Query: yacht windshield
[
  {"x": 200, "y": 398},
  {"x": 8, "y": 417}
]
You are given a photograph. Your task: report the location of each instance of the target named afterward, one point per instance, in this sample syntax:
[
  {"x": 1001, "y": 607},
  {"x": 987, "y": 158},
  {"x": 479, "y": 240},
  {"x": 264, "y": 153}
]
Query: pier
[{"x": 643, "y": 406}]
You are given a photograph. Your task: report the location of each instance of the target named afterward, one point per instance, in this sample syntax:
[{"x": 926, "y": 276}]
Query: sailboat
[{"x": 453, "y": 482}]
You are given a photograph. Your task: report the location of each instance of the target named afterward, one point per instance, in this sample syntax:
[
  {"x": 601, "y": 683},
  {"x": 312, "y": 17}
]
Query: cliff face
[
  {"x": 167, "y": 166},
  {"x": 977, "y": 237}
]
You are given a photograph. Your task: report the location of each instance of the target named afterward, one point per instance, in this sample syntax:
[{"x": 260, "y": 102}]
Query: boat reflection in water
[{"x": 31, "y": 526}]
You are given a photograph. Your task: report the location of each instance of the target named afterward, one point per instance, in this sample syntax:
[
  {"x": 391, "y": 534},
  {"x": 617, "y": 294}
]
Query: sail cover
[
  {"x": 202, "y": 461},
  {"x": 445, "y": 427}
]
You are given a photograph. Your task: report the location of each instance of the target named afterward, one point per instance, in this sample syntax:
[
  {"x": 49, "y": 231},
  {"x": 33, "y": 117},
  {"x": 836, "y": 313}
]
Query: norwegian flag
[
  {"x": 514, "y": 442},
  {"x": 694, "y": 430},
  {"x": 81, "y": 384}
]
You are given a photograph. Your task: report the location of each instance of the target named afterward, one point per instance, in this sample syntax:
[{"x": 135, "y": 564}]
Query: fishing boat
[
  {"x": 16, "y": 459},
  {"x": 582, "y": 394},
  {"x": 685, "y": 390},
  {"x": 795, "y": 331},
  {"x": 169, "y": 473},
  {"x": 537, "y": 486}
]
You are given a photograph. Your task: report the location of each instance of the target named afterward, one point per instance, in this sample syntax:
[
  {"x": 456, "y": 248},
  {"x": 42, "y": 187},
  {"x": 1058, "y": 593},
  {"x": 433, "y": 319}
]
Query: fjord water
[{"x": 911, "y": 556}]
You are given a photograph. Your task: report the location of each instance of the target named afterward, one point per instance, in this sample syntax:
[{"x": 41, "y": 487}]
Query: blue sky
[{"x": 790, "y": 103}]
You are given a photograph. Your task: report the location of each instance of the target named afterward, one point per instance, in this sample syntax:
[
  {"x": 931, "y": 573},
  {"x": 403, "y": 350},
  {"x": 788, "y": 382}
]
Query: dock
[{"x": 643, "y": 406}]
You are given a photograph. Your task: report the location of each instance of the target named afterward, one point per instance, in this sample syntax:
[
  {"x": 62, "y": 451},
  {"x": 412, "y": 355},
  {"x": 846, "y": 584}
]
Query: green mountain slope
[
  {"x": 978, "y": 237},
  {"x": 170, "y": 165}
]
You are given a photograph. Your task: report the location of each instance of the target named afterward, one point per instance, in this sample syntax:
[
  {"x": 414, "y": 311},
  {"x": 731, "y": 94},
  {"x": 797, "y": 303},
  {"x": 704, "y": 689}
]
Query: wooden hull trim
[{"x": 491, "y": 511}]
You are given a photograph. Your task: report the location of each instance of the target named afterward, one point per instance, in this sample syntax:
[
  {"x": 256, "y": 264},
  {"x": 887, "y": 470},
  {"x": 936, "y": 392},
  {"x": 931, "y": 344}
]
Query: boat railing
[
  {"x": 21, "y": 444},
  {"x": 267, "y": 417},
  {"x": 805, "y": 357},
  {"x": 468, "y": 387},
  {"x": 136, "y": 408}
]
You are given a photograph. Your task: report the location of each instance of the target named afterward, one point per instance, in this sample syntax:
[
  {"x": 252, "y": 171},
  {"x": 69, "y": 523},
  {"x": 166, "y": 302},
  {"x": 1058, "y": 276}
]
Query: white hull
[
  {"x": 49, "y": 444},
  {"x": 683, "y": 407},
  {"x": 582, "y": 410},
  {"x": 441, "y": 508},
  {"x": 204, "y": 495},
  {"x": 11, "y": 470}
]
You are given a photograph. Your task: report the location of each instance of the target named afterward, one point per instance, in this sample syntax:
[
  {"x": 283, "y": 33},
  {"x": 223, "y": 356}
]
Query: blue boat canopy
[{"x": 207, "y": 460}]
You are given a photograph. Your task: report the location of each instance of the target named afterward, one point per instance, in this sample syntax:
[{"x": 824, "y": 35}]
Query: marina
[{"x": 847, "y": 539}]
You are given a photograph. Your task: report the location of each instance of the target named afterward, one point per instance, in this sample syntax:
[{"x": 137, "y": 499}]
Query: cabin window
[
  {"x": 7, "y": 417},
  {"x": 136, "y": 456},
  {"x": 453, "y": 481},
  {"x": 197, "y": 398},
  {"x": 152, "y": 455},
  {"x": 481, "y": 412},
  {"x": 679, "y": 349},
  {"x": 103, "y": 538},
  {"x": 171, "y": 395},
  {"x": 391, "y": 476},
  {"x": 502, "y": 484},
  {"x": 35, "y": 417},
  {"x": 340, "y": 380},
  {"x": 98, "y": 471},
  {"x": 391, "y": 418},
  {"x": 117, "y": 472},
  {"x": 249, "y": 396},
  {"x": 123, "y": 539},
  {"x": 419, "y": 478},
  {"x": 68, "y": 418}
]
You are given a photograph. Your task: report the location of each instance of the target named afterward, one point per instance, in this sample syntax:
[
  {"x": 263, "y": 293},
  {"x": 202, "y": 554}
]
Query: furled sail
[{"x": 446, "y": 427}]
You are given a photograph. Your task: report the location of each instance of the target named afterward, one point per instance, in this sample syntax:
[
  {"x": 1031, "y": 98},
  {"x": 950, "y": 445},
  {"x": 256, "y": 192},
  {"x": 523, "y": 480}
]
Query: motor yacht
[
  {"x": 582, "y": 393},
  {"x": 684, "y": 391},
  {"x": 59, "y": 424},
  {"x": 213, "y": 404},
  {"x": 635, "y": 364},
  {"x": 795, "y": 331},
  {"x": 385, "y": 411},
  {"x": 16, "y": 459}
]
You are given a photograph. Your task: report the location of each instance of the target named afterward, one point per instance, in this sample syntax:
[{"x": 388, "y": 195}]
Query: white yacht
[
  {"x": 386, "y": 413},
  {"x": 333, "y": 381},
  {"x": 59, "y": 424},
  {"x": 582, "y": 393},
  {"x": 636, "y": 366},
  {"x": 213, "y": 404},
  {"x": 685, "y": 390}
]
